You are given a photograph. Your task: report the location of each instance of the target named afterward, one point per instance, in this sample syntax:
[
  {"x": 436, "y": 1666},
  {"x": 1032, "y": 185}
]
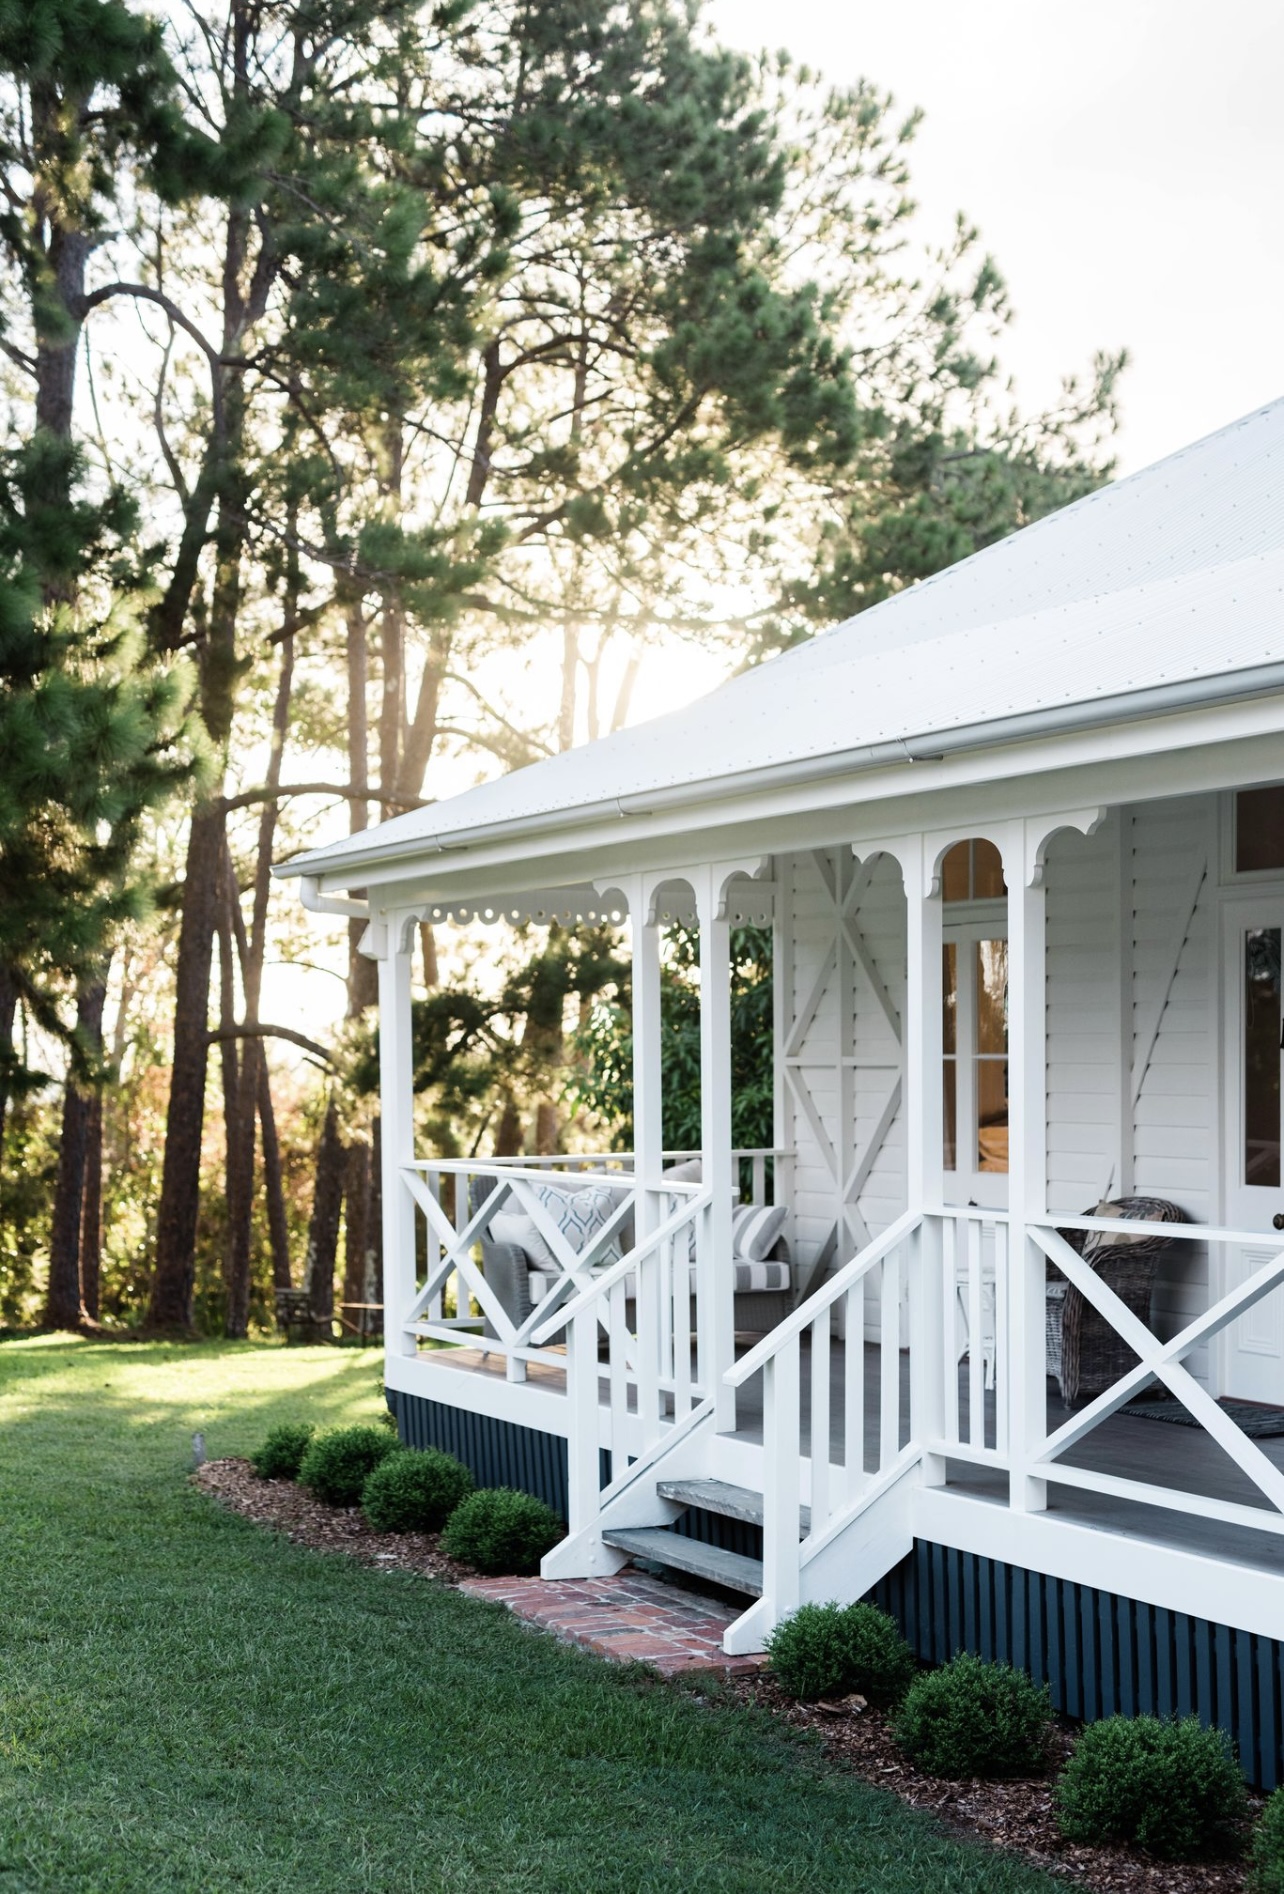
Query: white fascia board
[{"x": 1213, "y": 748}]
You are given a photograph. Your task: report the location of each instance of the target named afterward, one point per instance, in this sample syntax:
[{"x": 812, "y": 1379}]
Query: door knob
[{"x": 1277, "y": 1221}]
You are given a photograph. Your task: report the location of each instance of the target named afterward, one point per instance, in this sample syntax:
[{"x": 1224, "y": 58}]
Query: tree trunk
[
  {"x": 374, "y": 1279},
  {"x": 356, "y": 1242},
  {"x": 63, "y": 1306},
  {"x": 8, "y": 1053},
  {"x": 91, "y": 1214},
  {"x": 234, "y": 1059},
  {"x": 273, "y": 1184},
  {"x": 170, "y": 1305},
  {"x": 509, "y": 1137},
  {"x": 323, "y": 1230}
]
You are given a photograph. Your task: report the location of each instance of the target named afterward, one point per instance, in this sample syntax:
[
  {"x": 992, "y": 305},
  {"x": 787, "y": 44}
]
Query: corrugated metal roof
[{"x": 1173, "y": 575}]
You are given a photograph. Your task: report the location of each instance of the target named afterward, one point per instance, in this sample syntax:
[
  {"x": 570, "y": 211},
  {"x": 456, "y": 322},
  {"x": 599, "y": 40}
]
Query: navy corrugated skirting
[{"x": 1098, "y": 1652}]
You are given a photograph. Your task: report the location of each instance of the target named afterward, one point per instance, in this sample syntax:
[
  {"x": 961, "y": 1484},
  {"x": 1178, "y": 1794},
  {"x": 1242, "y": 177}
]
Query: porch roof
[{"x": 1162, "y": 588}]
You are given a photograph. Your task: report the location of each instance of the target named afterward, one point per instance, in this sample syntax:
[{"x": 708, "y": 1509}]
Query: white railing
[
  {"x": 758, "y": 1169},
  {"x": 864, "y": 1404},
  {"x": 1163, "y": 1361},
  {"x": 639, "y": 1346}
]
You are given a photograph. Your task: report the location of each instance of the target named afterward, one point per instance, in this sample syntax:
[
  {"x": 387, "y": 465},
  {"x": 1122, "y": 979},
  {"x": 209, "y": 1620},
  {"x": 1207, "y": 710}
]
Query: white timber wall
[
  {"x": 1172, "y": 1085},
  {"x": 841, "y": 929}
]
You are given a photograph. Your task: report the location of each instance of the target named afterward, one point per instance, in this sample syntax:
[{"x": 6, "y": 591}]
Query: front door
[{"x": 1253, "y": 1358}]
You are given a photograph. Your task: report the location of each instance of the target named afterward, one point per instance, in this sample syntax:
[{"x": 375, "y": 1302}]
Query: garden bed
[{"x": 1017, "y": 1816}]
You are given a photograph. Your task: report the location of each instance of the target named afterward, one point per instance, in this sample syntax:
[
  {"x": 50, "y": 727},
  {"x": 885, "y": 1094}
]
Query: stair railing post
[
  {"x": 782, "y": 1495},
  {"x": 583, "y": 1480},
  {"x": 388, "y": 941}
]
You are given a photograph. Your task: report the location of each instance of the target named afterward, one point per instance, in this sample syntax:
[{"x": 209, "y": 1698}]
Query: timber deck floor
[{"x": 1185, "y": 1459}]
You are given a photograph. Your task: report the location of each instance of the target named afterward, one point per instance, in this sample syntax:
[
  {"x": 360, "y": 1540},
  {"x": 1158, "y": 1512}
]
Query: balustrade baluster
[
  {"x": 889, "y": 1433},
  {"x": 820, "y": 1420},
  {"x": 975, "y": 1337},
  {"x": 951, "y": 1352},
  {"x": 854, "y": 1390},
  {"x": 1001, "y": 1337}
]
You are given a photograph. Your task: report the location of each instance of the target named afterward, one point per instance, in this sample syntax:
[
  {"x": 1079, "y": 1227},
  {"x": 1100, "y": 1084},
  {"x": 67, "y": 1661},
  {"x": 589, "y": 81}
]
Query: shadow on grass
[{"x": 189, "y": 1703}]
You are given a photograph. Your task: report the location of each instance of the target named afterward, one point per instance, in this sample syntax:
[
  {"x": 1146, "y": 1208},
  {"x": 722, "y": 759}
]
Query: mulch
[
  {"x": 287, "y": 1508},
  {"x": 1013, "y": 1815}
]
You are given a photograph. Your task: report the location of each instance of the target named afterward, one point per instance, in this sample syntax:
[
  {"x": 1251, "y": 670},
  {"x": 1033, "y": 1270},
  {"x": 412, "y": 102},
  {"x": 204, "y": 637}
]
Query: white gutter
[{"x": 1155, "y": 700}]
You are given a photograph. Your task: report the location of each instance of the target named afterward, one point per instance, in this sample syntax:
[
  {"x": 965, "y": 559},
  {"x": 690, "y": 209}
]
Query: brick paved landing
[{"x": 631, "y": 1617}]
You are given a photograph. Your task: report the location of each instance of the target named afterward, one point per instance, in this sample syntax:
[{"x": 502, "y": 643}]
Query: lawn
[{"x": 187, "y": 1702}]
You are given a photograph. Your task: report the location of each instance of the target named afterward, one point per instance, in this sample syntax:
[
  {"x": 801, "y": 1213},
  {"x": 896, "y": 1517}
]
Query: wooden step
[
  {"x": 710, "y": 1562},
  {"x": 719, "y": 1496}
]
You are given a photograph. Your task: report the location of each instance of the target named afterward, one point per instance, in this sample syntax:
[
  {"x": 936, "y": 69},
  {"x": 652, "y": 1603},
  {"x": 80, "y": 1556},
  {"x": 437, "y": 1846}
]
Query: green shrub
[
  {"x": 829, "y": 1650},
  {"x": 975, "y": 1719},
  {"x": 500, "y": 1530},
  {"x": 1267, "y": 1873},
  {"x": 414, "y": 1492},
  {"x": 281, "y": 1454},
  {"x": 1174, "y": 1788},
  {"x": 337, "y": 1465}
]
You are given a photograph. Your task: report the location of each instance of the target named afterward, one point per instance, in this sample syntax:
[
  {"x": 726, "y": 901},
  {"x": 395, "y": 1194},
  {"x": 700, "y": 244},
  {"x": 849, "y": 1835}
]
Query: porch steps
[
  {"x": 661, "y": 1547},
  {"x": 719, "y": 1496}
]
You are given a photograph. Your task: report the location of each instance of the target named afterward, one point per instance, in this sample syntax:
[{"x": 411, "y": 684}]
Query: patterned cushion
[
  {"x": 578, "y": 1214},
  {"x": 755, "y": 1229}
]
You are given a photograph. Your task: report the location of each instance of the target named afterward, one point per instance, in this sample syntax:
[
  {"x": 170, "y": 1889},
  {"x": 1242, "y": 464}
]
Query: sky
[{"x": 1124, "y": 162}]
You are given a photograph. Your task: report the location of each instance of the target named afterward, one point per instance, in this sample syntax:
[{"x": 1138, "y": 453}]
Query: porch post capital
[
  {"x": 1031, "y": 853},
  {"x": 389, "y": 934},
  {"x": 712, "y": 881}
]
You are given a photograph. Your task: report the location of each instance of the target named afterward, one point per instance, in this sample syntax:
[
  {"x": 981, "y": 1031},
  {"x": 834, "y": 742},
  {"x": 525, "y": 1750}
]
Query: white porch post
[
  {"x": 1027, "y": 1157},
  {"x": 924, "y": 1142},
  {"x": 717, "y": 1341},
  {"x": 396, "y": 1093},
  {"x": 648, "y": 1131}
]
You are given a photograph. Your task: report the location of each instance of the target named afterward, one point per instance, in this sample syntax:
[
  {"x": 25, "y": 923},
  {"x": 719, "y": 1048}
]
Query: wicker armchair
[{"x": 1092, "y": 1354}]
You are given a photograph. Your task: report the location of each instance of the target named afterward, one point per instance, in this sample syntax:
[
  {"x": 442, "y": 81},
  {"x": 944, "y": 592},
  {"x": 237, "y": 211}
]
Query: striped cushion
[
  {"x": 755, "y": 1229},
  {"x": 751, "y": 1276}
]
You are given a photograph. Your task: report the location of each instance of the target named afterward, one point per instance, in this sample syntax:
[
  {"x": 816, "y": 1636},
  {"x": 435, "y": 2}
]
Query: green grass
[{"x": 189, "y": 1703}]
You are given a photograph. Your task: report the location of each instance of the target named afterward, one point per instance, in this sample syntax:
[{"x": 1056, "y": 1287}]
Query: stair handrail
[
  {"x": 700, "y": 1197},
  {"x": 829, "y": 1292}
]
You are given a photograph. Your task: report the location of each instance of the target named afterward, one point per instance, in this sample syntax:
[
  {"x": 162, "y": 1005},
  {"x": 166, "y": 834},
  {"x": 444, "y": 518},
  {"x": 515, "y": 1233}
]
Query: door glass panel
[
  {"x": 1259, "y": 829},
  {"x": 991, "y": 1055},
  {"x": 1262, "y": 1056},
  {"x": 950, "y": 1041}
]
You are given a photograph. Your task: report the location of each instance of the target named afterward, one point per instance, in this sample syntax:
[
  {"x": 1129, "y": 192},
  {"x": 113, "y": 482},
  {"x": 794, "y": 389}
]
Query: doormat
[{"x": 1253, "y": 1419}]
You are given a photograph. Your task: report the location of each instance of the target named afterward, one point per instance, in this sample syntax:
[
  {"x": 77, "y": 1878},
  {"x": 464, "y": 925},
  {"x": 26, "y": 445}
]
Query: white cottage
[{"x": 1009, "y": 1355}]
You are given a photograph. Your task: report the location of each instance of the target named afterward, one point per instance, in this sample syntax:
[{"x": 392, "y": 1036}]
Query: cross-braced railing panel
[{"x": 1163, "y": 1361}]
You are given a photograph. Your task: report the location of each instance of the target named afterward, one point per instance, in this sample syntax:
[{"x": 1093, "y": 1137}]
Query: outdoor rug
[{"x": 1256, "y": 1421}]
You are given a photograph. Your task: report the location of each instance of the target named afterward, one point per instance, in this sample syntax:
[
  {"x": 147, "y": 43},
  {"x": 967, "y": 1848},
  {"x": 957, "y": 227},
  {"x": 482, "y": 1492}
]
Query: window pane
[
  {"x": 1262, "y": 1056},
  {"x": 987, "y": 872},
  {"x": 956, "y": 873},
  {"x": 992, "y": 1114},
  {"x": 991, "y": 996},
  {"x": 1259, "y": 829},
  {"x": 950, "y": 997},
  {"x": 950, "y": 1079}
]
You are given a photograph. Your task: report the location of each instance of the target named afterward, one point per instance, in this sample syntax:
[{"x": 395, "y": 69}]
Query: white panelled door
[{"x": 1253, "y": 1360}]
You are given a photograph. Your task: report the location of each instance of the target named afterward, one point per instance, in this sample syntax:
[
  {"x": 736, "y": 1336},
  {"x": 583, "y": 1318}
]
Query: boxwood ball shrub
[
  {"x": 1266, "y": 1875},
  {"x": 282, "y": 1452},
  {"x": 337, "y": 1465},
  {"x": 832, "y": 1650},
  {"x": 1172, "y": 1787},
  {"x": 501, "y": 1530},
  {"x": 414, "y": 1491},
  {"x": 971, "y": 1718}
]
